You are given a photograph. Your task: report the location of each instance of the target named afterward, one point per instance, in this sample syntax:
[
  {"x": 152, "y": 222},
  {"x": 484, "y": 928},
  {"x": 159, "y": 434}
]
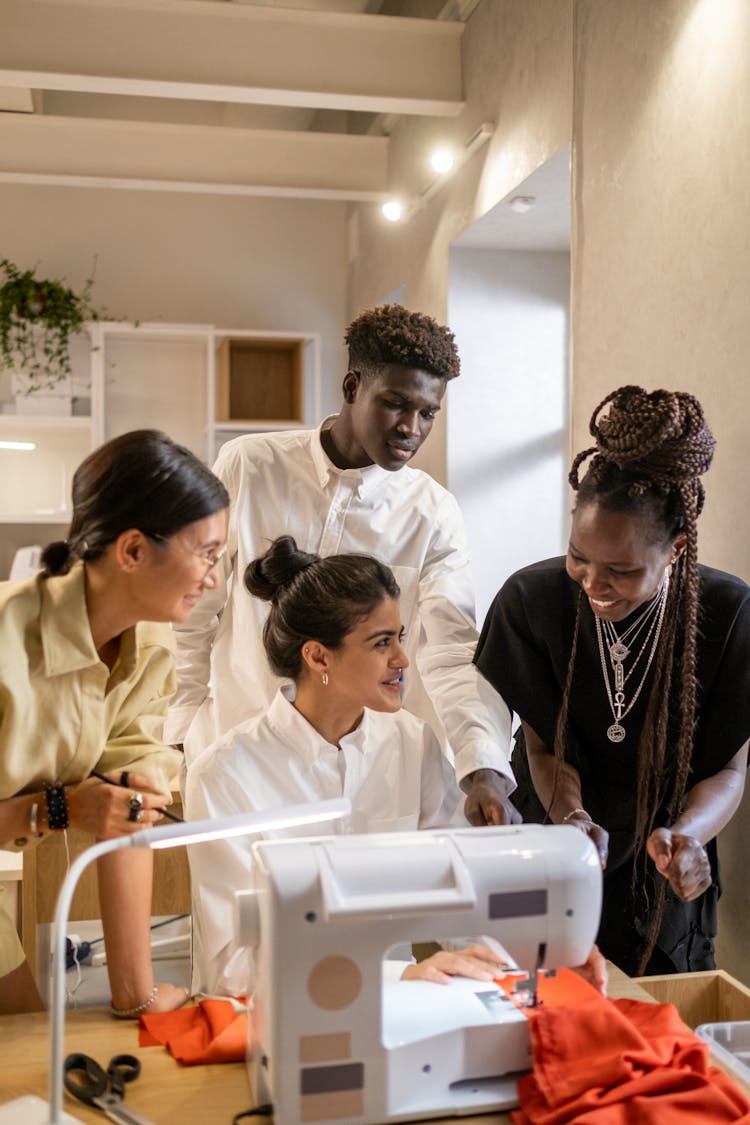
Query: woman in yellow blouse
[{"x": 86, "y": 672}]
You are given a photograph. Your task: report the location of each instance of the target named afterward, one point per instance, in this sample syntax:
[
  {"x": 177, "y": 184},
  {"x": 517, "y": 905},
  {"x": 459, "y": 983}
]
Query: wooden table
[{"x": 166, "y": 1093}]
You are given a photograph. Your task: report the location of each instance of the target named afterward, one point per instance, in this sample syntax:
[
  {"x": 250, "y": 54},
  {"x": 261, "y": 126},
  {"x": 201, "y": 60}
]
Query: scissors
[{"x": 85, "y": 1080}]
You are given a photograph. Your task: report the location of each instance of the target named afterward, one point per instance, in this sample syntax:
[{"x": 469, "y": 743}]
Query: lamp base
[{"x": 31, "y": 1110}]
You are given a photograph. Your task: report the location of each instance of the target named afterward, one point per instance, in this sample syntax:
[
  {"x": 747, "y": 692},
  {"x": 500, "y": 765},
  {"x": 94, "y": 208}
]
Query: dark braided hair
[
  {"x": 313, "y": 598},
  {"x": 391, "y": 334},
  {"x": 651, "y": 449}
]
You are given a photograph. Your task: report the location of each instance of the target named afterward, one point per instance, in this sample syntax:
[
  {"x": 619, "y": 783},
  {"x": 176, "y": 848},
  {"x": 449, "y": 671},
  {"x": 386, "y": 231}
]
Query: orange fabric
[
  {"x": 210, "y": 1032},
  {"x": 620, "y": 1062},
  {"x": 566, "y": 987}
]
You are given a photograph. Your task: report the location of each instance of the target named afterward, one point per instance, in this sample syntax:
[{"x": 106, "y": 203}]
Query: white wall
[
  {"x": 230, "y": 261},
  {"x": 507, "y": 414}
]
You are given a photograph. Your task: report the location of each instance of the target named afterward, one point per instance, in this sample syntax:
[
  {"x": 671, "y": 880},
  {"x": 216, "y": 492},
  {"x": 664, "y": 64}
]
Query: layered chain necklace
[{"x": 647, "y": 626}]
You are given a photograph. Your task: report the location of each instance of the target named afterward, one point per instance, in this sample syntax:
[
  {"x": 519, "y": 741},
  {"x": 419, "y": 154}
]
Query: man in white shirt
[{"x": 347, "y": 487}]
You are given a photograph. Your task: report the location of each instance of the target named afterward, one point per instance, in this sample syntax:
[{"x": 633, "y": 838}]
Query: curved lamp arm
[{"x": 168, "y": 836}]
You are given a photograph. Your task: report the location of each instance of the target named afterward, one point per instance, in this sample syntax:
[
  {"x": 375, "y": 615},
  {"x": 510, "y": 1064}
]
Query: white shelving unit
[{"x": 171, "y": 377}]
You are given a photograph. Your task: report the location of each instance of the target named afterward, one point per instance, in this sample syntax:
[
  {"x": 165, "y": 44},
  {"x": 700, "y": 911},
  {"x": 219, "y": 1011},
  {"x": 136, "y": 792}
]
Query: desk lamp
[{"x": 30, "y": 1110}]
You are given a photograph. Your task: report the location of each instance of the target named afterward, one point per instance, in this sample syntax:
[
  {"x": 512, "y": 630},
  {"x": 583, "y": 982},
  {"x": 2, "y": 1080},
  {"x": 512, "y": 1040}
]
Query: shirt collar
[
  {"x": 363, "y": 481},
  {"x": 294, "y": 729},
  {"x": 66, "y": 634}
]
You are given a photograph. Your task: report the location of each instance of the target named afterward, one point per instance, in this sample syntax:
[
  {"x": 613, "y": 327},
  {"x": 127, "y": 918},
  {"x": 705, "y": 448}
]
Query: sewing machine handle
[{"x": 355, "y": 904}]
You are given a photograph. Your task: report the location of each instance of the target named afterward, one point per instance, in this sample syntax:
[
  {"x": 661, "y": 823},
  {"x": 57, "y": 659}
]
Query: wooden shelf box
[
  {"x": 261, "y": 380},
  {"x": 708, "y": 997}
]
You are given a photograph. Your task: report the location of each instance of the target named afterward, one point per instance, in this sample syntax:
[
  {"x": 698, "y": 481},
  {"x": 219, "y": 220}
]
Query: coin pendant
[
  {"x": 616, "y": 732},
  {"x": 619, "y": 651}
]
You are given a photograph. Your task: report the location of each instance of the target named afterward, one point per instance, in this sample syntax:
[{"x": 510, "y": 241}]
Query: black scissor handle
[
  {"x": 122, "y": 1069},
  {"x": 94, "y": 1082}
]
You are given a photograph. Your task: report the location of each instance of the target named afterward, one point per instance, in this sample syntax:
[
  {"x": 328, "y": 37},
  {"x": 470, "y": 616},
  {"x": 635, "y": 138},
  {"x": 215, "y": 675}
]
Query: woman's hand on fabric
[
  {"x": 476, "y": 962},
  {"x": 682, "y": 860},
  {"x": 598, "y": 835},
  {"x": 105, "y": 810},
  {"x": 594, "y": 970},
  {"x": 487, "y": 800}
]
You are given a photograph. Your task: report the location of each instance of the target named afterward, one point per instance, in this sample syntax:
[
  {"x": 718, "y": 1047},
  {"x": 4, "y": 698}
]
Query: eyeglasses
[{"x": 208, "y": 559}]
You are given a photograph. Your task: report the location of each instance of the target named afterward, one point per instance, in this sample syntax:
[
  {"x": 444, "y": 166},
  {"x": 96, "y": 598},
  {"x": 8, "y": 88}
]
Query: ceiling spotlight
[
  {"x": 521, "y": 203},
  {"x": 442, "y": 160},
  {"x": 392, "y": 210}
]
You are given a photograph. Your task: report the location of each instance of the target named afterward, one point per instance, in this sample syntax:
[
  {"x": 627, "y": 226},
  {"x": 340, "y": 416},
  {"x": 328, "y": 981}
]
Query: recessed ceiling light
[
  {"x": 521, "y": 203},
  {"x": 392, "y": 210},
  {"x": 442, "y": 160}
]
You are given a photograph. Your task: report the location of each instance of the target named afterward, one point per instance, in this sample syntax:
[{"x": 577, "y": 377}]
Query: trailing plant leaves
[{"x": 37, "y": 318}]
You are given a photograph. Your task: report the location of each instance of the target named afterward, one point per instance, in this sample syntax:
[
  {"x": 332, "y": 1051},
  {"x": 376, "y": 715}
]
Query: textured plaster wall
[
  {"x": 660, "y": 263},
  {"x": 662, "y": 225},
  {"x": 517, "y": 74},
  {"x": 656, "y": 99}
]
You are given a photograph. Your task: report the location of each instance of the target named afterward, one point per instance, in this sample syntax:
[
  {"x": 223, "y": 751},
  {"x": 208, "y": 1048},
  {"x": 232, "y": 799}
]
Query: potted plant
[{"x": 38, "y": 316}]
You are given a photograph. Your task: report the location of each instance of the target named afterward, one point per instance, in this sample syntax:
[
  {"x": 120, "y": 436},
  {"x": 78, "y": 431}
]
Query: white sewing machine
[{"x": 337, "y": 1043}]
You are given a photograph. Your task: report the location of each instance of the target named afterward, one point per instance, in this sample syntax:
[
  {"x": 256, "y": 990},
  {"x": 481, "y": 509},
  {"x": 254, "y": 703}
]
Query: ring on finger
[{"x": 135, "y": 808}]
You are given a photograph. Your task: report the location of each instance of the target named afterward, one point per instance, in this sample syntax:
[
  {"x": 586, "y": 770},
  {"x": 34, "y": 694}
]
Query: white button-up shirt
[
  {"x": 284, "y": 484},
  {"x": 391, "y": 768}
]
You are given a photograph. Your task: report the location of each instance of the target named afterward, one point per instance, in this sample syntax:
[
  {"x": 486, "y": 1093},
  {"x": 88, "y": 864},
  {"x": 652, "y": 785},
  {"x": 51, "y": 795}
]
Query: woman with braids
[
  {"x": 337, "y": 729},
  {"x": 85, "y": 679},
  {"x": 628, "y": 664}
]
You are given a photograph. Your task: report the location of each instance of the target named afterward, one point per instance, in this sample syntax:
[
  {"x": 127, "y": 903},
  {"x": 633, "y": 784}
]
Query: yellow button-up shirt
[{"x": 62, "y": 712}]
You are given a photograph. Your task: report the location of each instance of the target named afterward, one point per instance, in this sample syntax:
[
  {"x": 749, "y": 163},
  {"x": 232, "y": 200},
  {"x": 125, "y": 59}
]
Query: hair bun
[
  {"x": 268, "y": 575},
  {"x": 57, "y": 557},
  {"x": 660, "y": 437}
]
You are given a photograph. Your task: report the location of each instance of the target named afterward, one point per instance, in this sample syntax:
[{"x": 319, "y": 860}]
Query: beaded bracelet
[
  {"x": 57, "y": 807},
  {"x": 125, "y": 1013},
  {"x": 576, "y": 812}
]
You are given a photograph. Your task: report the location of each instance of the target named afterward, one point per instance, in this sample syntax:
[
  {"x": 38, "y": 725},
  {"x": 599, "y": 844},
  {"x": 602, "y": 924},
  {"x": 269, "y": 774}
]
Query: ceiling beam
[
  {"x": 128, "y": 154},
  {"x": 233, "y": 53}
]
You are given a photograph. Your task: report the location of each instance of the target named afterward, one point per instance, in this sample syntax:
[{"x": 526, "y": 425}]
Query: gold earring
[{"x": 324, "y": 678}]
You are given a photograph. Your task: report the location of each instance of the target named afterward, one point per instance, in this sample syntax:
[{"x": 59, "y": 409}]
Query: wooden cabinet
[
  {"x": 261, "y": 381},
  {"x": 200, "y": 384}
]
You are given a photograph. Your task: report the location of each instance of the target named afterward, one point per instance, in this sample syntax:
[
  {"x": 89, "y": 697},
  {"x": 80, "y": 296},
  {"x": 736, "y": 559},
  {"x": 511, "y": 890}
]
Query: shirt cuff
[{"x": 483, "y": 756}]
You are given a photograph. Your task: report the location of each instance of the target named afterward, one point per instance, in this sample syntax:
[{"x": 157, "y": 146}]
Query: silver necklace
[{"x": 619, "y": 651}]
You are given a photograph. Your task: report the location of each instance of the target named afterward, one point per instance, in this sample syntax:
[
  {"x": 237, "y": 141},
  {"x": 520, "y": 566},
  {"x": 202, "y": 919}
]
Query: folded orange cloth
[
  {"x": 213, "y": 1031},
  {"x": 622, "y": 1062}
]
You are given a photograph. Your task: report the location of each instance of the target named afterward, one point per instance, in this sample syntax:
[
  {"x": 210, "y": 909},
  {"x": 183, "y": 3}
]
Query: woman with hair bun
[
  {"x": 628, "y": 664},
  {"x": 337, "y": 729},
  {"x": 85, "y": 679}
]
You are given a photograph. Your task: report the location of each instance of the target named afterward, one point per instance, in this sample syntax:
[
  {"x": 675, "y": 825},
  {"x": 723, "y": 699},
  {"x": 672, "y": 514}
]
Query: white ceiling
[
  {"x": 291, "y": 98},
  {"x": 545, "y": 226},
  {"x": 273, "y": 97}
]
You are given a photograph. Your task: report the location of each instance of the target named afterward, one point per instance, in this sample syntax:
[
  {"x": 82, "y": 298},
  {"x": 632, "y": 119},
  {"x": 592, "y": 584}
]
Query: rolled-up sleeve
[
  {"x": 195, "y": 637},
  {"x": 476, "y": 719},
  {"x": 136, "y": 736}
]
